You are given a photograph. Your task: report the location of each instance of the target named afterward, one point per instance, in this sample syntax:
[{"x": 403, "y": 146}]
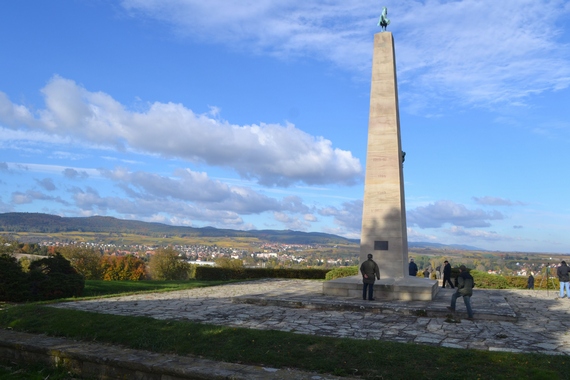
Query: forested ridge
[{"x": 46, "y": 223}]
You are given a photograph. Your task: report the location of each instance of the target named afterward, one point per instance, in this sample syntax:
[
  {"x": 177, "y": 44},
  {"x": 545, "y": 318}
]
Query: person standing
[
  {"x": 530, "y": 282},
  {"x": 447, "y": 274},
  {"x": 370, "y": 272},
  {"x": 465, "y": 285},
  {"x": 412, "y": 268},
  {"x": 563, "y": 276}
]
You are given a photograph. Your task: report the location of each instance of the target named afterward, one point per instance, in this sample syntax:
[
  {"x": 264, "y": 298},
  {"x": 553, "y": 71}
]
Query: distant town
[
  {"x": 264, "y": 254},
  {"x": 267, "y": 254}
]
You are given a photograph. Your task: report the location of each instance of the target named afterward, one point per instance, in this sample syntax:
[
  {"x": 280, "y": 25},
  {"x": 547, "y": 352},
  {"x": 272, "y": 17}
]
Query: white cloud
[
  {"x": 348, "y": 217},
  {"x": 284, "y": 28},
  {"x": 71, "y": 173},
  {"x": 439, "y": 213},
  {"x": 189, "y": 186},
  {"x": 30, "y": 196},
  {"x": 478, "y": 235},
  {"x": 496, "y": 201},
  {"x": 272, "y": 154},
  {"x": 414, "y": 235},
  {"x": 90, "y": 202},
  {"x": 290, "y": 222},
  {"x": 46, "y": 183},
  {"x": 484, "y": 51}
]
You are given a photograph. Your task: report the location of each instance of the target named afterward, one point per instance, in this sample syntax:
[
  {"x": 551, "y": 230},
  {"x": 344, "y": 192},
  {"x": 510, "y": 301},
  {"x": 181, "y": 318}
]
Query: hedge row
[
  {"x": 493, "y": 281},
  {"x": 482, "y": 280},
  {"x": 215, "y": 273},
  {"x": 342, "y": 272}
]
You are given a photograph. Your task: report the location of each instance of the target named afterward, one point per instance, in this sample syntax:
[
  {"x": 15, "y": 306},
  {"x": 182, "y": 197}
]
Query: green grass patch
[
  {"x": 97, "y": 288},
  {"x": 370, "y": 359}
]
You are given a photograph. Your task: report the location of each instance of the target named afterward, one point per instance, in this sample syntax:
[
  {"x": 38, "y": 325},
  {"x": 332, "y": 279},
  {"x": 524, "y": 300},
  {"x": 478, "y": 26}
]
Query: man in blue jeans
[
  {"x": 464, "y": 289},
  {"x": 563, "y": 276}
]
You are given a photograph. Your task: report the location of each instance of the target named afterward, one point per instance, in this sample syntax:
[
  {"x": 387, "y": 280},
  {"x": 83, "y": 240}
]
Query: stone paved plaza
[{"x": 505, "y": 320}]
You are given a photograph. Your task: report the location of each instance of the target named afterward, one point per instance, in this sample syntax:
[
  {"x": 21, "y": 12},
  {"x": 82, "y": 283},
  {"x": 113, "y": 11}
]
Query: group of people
[
  {"x": 563, "y": 274},
  {"x": 413, "y": 271},
  {"x": 465, "y": 283}
]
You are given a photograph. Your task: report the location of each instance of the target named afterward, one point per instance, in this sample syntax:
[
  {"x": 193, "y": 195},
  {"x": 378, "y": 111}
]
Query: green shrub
[
  {"x": 48, "y": 278},
  {"x": 54, "y": 277},
  {"x": 489, "y": 281},
  {"x": 225, "y": 262},
  {"x": 542, "y": 283},
  {"x": 86, "y": 261},
  {"x": 14, "y": 282},
  {"x": 166, "y": 264},
  {"x": 342, "y": 272}
]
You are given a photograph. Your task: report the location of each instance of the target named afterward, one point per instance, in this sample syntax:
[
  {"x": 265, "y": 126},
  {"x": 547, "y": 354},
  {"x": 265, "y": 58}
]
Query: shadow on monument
[{"x": 386, "y": 240}]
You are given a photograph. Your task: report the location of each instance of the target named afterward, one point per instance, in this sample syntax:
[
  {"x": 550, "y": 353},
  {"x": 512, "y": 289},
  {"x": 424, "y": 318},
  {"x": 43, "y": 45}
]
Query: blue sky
[{"x": 254, "y": 114}]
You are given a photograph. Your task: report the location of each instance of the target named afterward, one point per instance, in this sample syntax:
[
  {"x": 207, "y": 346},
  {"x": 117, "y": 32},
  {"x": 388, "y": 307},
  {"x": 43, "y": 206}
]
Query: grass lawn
[
  {"x": 97, "y": 288},
  {"x": 370, "y": 359}
]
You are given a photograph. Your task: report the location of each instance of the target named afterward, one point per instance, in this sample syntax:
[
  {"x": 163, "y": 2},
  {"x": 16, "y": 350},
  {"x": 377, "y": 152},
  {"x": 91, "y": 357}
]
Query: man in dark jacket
[
  {"x": 564, "y": 278},
  {"x": 412, "y": 268},
  {"x": 447, "y": 274},
  {"x": 465, "y": 285},
  {"x": 530, "y": 282},
  {"x": 370, "y": 272}
]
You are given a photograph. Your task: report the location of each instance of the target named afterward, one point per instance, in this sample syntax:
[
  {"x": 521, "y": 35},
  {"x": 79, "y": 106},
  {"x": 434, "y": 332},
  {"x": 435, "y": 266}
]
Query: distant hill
[
  {"x": 46, "y": 223},
  {"x": 413, "y": 244}
]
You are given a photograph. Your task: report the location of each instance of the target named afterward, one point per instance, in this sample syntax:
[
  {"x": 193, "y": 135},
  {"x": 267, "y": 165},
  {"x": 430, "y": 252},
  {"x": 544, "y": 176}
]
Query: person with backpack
[{"x": 465, "y": 284}]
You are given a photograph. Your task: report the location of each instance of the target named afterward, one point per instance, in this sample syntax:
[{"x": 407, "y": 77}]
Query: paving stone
[{"x": 510, "y": 320}]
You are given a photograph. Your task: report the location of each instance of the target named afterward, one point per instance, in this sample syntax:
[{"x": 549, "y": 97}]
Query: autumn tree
[
  {"x": 122, "y": 268},
  {"x": 86, "y": 261},
  {"x": 226, "y": 262},
  {"x": 166, "y": 264}
]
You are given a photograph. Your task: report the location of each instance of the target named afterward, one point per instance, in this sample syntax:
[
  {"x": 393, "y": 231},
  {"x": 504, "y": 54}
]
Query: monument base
[{"x": 405, "y": 289}]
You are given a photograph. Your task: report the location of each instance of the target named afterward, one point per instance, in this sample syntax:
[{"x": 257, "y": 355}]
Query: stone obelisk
[{"x": 384, "y": 231}]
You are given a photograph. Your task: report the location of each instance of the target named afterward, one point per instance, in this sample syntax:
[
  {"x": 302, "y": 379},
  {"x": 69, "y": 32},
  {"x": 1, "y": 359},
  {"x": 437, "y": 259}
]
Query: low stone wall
[{"x": 102, "y": 361}]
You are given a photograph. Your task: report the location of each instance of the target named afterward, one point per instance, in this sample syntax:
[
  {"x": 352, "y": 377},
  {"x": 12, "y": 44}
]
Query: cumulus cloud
[
  {"x": 348, "y": 217},
  {"x": 415, "y": 235},
  {"x": 90, "y": 201},
  {"x": 291, "y": 222},
  {"x": 477, "y": 234},
  {"x": 30, "y": 196},
  {"x": 190, "y": 186},
  {"x": 270, "y": 153},
  {"x": 74, "y": 174},
  {"x": 439, "y": 213},
  {"x": 12, "y": 114},
  {"x": 46, "y": 183}
]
